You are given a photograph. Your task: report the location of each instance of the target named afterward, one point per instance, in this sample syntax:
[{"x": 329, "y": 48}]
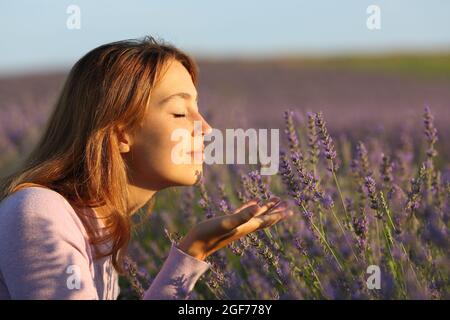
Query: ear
[{"x": 124, "y": 140}]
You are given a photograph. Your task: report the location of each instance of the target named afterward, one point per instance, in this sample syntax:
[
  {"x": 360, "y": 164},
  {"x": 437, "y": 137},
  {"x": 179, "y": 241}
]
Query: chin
[{"x": 189, "y": 176}]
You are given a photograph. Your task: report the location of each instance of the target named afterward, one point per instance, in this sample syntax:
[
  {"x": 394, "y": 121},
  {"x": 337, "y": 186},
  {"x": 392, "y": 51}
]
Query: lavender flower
[
  {"x": 205, "y": 201},
  {"x": 414, "y": 195},
  {"x": 291, "y": 132},
  {"x": 431, "y": 135},
  {"x": 430, "y": 132},
  {"x": 259, "y": 187},
  {"x": 372, "y": 193},
  {"x": 223, "y": 206},
  {"x": 204, "y": 204},
  {"x": 327, "y": 142},
  {"x": 327, "y": 201},
  {"x": 313, "y": 140},
  {"x": 359, "y": 223},
  {"x": 288, "y": 177},
  {"x": 301, "y": 246},
  {"x": 132, "y": 276},
  {"x": 224, "y": 203},
  {"x": 363, "y": 159}
]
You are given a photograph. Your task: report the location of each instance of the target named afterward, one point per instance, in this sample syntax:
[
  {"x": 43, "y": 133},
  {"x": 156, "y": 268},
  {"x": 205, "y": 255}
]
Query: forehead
[{"x": 174, "y": 78}]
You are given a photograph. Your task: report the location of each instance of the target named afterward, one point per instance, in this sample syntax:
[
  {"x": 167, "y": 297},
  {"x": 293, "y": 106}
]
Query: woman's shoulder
[
  {"x": 43, "y": 243},
  {"x": 27, "y": 206},
  {"x": 34, "y": 200}
]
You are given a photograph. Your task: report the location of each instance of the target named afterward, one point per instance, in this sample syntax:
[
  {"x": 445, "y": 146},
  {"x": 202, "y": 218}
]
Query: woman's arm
[
  {"x": 177, "y": 277},
  {"x": 186, "y": 264}
]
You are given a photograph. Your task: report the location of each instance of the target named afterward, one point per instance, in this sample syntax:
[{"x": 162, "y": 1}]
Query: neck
[{"x": 138, "y": 198}]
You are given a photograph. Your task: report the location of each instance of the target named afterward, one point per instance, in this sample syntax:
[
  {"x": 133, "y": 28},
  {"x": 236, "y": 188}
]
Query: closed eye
[{"x": 178, "y": 115}]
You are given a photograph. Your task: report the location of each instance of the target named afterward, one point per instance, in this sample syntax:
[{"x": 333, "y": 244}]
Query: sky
[{"x": 35, "y": 36}]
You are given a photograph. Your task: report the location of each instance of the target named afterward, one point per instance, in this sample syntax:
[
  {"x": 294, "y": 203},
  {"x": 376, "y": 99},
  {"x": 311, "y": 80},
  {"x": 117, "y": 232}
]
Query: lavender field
[{"x": 365, "y": 164}]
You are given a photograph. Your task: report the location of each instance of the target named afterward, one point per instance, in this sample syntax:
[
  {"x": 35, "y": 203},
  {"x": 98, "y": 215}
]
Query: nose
[{"x": 205, "y": 127}]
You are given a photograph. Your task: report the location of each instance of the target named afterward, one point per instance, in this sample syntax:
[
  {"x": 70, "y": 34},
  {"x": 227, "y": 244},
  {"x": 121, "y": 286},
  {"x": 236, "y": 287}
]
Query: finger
[
  {"x": 267, "y": 220},
  {"x": 286, "y": 214},
  {"x": 271, "y": 201},
  {"x": 246, "y": 212},
  {"x": 251, "y": 212},
  {"x": 228, "y": 224},
  {"x": 245, "y": 206},
  {"x": 232, "y": 221},
  {"x": 253, "y": 225},
  {"x": 280, "y": 206},
  {"x": 271, "y": 204}
]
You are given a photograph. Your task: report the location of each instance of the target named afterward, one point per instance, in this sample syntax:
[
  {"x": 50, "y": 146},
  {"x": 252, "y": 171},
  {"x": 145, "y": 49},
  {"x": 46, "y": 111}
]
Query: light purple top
[{"x": 45, "y": 254}]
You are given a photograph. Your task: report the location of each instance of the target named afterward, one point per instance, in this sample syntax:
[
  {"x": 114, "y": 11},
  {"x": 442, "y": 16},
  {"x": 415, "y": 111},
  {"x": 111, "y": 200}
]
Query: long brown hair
[{"x": 77, "y": 155}]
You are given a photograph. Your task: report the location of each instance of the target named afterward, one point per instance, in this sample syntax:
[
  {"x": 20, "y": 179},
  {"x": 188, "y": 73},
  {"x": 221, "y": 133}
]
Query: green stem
[
  {"x": 394, "y": 266},
  {"x": 317, "y": 278},
  {"x": 328, "y": 245},
  {"x": 324, "y": 239},
  {"x": 378, "y": 239},
  {"x": 388, "y": 213},
  {"x": 344, "y": 234},
  {"x": 339, "y": 191}
]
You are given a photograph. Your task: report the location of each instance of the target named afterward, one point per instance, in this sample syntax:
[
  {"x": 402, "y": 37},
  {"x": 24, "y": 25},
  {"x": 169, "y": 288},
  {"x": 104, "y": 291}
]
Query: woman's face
[{"x": 154, "y": 153}]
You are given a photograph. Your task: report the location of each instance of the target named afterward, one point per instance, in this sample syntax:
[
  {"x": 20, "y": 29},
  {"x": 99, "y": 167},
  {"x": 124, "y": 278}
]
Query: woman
[{"x": 65, "y": 216}]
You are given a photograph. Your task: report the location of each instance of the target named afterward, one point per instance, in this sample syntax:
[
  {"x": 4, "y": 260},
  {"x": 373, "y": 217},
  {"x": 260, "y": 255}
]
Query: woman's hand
[{"x": 212, "y": 234}]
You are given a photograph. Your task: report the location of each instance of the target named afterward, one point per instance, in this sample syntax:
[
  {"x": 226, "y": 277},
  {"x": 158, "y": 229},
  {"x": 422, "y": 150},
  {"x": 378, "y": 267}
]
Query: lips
[
  {"x": 202, "y": 150},
  {"x": 197, "y": 155}
]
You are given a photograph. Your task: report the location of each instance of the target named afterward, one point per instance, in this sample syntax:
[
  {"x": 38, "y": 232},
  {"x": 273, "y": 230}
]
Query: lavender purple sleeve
[{"x": 177, "y": 277}]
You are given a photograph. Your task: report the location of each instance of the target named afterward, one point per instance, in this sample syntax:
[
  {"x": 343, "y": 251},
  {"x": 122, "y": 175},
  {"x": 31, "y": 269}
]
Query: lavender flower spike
[{"x": 327, "y": 142}]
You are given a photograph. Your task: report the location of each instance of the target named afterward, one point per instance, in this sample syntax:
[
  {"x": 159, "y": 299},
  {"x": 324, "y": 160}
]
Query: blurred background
[
  {"x": 370, "y": 66},
  {"x": 369, "y": 69}
]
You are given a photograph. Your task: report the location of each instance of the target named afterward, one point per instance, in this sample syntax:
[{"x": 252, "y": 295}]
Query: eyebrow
[{"x": 183, "y": 95}]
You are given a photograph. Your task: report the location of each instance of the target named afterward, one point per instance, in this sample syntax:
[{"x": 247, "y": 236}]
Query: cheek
[
  {"x": 152, "y": 157},
  {"x": 154, "y": 146}
]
